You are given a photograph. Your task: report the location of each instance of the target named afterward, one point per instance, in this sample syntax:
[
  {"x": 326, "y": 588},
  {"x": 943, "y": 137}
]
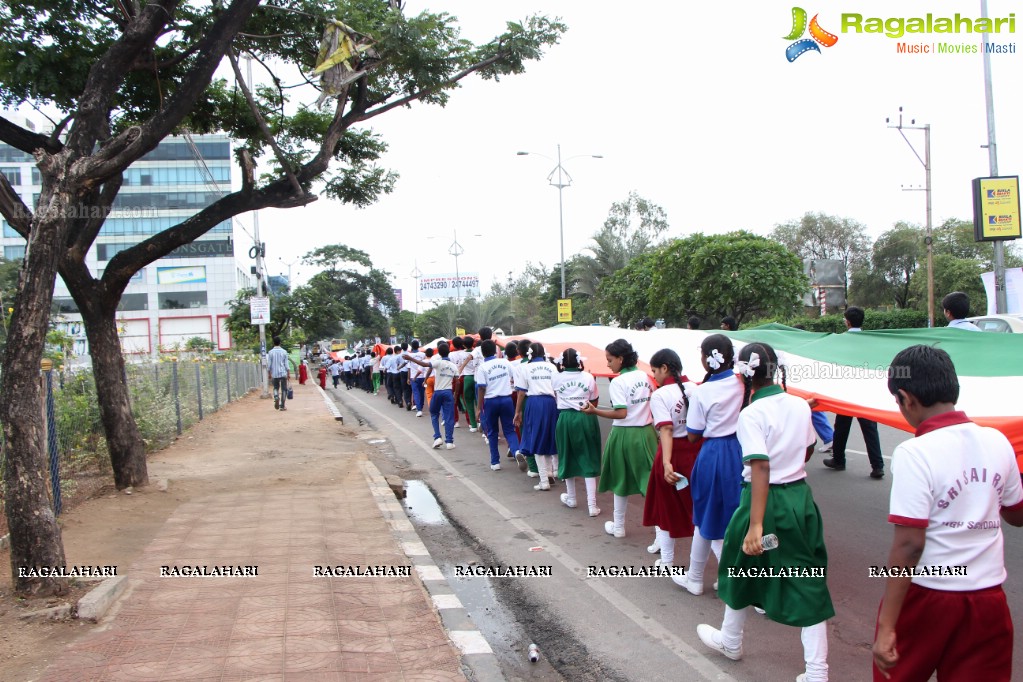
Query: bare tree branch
[
  {"x": 429, "y": 91},
  {"x": 13, "y": 209},
  {"x": 26, "y": 140},
  {"x": 127, "y": 147},
  {"x": 278, "y": 152},
  {"x": 108, "y": 71}
]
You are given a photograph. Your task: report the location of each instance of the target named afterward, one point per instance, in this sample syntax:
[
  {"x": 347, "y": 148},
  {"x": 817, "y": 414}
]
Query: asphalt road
[{"x": 642, "y": 628}]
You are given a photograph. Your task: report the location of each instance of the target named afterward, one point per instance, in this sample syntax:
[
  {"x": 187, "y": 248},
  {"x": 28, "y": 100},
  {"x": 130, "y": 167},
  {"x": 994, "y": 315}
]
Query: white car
[{"x": 999, "y": 323}]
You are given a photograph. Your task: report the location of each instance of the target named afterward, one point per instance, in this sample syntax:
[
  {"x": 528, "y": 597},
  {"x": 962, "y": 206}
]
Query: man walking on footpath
[{"x": 278, "y": 360}]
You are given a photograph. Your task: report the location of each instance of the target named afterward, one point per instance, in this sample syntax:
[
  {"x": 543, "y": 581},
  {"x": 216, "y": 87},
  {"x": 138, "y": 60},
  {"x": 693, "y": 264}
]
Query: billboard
[
  {"x": 996, "y": 213},
  {"x": 181, "y": 275},
  {"x": 464, "y": 285},
  {"x": 827, "y": 282}
]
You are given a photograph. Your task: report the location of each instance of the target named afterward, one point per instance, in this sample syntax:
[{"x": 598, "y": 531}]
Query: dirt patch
[{"x": 242, "y": 446}]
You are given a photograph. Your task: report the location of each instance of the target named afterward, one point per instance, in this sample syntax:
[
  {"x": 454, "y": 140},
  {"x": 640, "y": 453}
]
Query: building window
[
  {"x": 13, "y": 175},
  {"x": 14, "y": 252},
  {"x": 8, "y": 230},
  {"x": 37, "y": 178},
  {"x": 180, "y": 300},
  {"x": 65, "y": 304},
  {"x": 12, "y": 155},
  {"x": 134, "y": 302},
  {"x": 108, "y": 251}
]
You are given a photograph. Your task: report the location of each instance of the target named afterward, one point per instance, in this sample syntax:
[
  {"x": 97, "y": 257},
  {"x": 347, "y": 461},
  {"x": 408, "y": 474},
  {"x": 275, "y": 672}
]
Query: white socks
[
  {"x": 731, "y": 627},
  {"x": 542, "y": 462},
  {"x": 815, "y": 651},
  {"x": 716, "y": 546},
  {"x": 621, "y": 504},
  {"x": 570, "y": 489},
  {"x": 698, "y": 555},
  {"x": 591, "y": 492},
  {"x": 667, "y": 544},
  {"x": 814, "y": 637}
]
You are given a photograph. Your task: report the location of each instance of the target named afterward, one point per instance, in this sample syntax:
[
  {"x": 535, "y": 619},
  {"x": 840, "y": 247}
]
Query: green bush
[{"x": 872, "y": 319}]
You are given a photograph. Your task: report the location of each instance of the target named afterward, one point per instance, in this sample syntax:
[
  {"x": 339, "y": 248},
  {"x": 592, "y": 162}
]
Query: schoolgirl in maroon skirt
[{"x": 669, "y": 503}]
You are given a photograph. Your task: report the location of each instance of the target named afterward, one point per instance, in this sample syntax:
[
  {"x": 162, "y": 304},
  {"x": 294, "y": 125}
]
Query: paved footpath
[{"x": 284, "y": 623}]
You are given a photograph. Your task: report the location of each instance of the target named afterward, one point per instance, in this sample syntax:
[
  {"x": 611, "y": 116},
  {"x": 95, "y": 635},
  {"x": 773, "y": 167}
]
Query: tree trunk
[
  {"x": 35, "y": 535},
  {"x": 127, "y": 451}
]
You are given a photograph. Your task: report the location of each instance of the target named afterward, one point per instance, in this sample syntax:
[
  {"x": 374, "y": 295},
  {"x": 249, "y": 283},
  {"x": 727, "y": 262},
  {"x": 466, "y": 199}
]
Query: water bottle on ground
[
  {"x": 534, "y": 653},
  {"x": 769, "y": 541}
]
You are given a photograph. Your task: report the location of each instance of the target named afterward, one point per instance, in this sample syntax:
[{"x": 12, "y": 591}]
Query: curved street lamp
[{"x": 563, "y": 180}]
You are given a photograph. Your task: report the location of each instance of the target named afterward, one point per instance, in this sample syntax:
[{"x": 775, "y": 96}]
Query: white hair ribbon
[
  {"x": 748, "y": 367},
  {"x": 715, "y": 359}
]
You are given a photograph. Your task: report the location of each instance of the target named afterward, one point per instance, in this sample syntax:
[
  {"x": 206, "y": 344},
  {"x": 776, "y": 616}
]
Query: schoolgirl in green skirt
[
  {"x": 577, "y": 434},
  {"x": 790, "y": 582},
  {"x": 632, "y": 443}
]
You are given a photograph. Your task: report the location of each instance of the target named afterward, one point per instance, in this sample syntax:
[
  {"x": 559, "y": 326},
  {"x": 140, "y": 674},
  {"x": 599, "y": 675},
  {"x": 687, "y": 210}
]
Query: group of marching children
[{"x": 724, "y": 462}]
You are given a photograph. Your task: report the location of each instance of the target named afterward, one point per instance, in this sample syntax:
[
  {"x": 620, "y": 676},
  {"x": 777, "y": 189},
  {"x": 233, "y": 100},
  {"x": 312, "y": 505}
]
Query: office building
[{"x": 181, "y": 296}]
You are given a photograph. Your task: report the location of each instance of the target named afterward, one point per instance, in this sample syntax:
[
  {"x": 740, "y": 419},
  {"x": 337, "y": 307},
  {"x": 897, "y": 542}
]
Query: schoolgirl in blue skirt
[
  {"x": 538, "y": 416},
  {"x": 717, "y": 474}
]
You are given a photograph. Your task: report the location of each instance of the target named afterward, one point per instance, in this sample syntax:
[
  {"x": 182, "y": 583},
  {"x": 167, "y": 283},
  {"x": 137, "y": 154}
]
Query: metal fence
[{"x": 166, "y": 398}]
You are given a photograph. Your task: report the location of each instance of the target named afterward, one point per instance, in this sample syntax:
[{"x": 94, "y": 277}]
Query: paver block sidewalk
[{"x": 283, "y": 624}]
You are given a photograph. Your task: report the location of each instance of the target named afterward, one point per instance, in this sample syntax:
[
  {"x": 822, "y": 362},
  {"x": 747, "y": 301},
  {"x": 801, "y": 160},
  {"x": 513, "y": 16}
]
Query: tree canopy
[{"x": 123, "y": 77}]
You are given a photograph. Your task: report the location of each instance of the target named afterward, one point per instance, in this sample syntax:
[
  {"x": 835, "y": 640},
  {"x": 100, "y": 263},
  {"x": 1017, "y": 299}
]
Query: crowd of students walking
[{"x": 723, "y": 461}]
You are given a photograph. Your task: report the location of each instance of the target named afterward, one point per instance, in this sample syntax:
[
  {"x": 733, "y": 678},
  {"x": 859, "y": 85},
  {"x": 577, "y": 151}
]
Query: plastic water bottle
[
  {"x": 534, "y": 653},
  {"x": 769, "y": 541}
]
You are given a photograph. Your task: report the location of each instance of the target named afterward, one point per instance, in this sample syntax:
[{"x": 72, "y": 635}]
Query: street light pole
[
  {"x": 564, "y": 180},
  {"x": 456, "y": 250},
  {"x": 928, "y": 240},
  {"x": 1001, "y": 297}
]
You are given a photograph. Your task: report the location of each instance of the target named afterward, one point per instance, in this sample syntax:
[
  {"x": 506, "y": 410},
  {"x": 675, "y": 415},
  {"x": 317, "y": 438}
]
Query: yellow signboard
[
  {"x": 564, "y": 310},
  {"x": 459, "y": 331},
  {"x": 996, "y": 213}
]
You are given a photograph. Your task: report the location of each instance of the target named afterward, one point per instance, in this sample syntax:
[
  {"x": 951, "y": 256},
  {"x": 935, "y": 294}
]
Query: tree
[
  {"x": 895, "y": 257},
  {"x": 632, "y": 228},
  {"x": 127, "y": 76},
  {"x": 738, "y": 274},
  {"x": 625, "y": 296},
  {"x": 818, "y": 236}
]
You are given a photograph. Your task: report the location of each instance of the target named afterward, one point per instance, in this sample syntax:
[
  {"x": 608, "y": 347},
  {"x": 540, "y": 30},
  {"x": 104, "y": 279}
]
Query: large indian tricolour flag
[{"x": 846, "y": 373}]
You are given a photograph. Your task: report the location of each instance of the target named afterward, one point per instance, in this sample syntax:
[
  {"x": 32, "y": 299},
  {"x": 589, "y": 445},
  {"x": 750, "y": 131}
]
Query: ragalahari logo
[{"x": 817, "y": 35}]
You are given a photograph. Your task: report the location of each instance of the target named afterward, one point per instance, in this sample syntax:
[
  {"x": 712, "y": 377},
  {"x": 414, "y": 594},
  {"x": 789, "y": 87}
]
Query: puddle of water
[{"x": 421, "y": 505}]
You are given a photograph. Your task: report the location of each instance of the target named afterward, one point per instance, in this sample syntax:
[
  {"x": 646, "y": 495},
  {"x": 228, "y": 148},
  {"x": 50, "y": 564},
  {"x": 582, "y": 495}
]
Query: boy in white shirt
[
  {"x": 494, "y": 379},
  {"x": 952, "y": 485}
]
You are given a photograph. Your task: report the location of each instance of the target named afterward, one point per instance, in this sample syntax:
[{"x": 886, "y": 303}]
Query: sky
[{"x": 693, "y": 106}]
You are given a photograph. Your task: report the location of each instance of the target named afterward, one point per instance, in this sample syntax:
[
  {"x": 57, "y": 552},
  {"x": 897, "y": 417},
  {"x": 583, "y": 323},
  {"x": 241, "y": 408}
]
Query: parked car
[{"x": 999, "y": 323}]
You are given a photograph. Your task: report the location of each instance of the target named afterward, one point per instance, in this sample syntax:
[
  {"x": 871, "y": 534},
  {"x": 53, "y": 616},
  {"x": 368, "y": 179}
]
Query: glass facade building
[{"x": 180, "y": 296}]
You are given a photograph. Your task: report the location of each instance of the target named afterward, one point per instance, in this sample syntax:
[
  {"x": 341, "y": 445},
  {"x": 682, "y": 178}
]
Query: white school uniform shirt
[
  {"x": 377, "y": 364},
  {"x": 714, "y": 406},
  {"x": 456, "y": 356},
  {"x": 445, "y": 372},
  {"x": 495, "y": 375},
  {"x": 777, "y": 427},
  {"x": 474, "y": 360},
  {"x": 952, "y": 480},
  {"x": 668, "y": 408},
  {"x": 573, "y": 388},
  {"x": 415, "y": 371},
  {"x": 632, "y": 390},
  {"x": 346, "y": 366},
  {"x": 334, "y": 369},
  {"x": 538, "y": 376}
]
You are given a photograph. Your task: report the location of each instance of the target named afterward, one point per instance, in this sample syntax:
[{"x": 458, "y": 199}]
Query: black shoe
[
  {"x": 877, "y": 473},
  {"x": 833, "y": 463}
]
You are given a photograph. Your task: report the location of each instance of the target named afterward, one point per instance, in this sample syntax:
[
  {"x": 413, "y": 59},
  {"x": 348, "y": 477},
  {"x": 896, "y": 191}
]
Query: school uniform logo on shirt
[{"x": 970, "y": 477}]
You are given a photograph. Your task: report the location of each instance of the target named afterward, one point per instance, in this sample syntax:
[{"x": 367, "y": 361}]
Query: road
[{"x": 636, "y": 628}]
